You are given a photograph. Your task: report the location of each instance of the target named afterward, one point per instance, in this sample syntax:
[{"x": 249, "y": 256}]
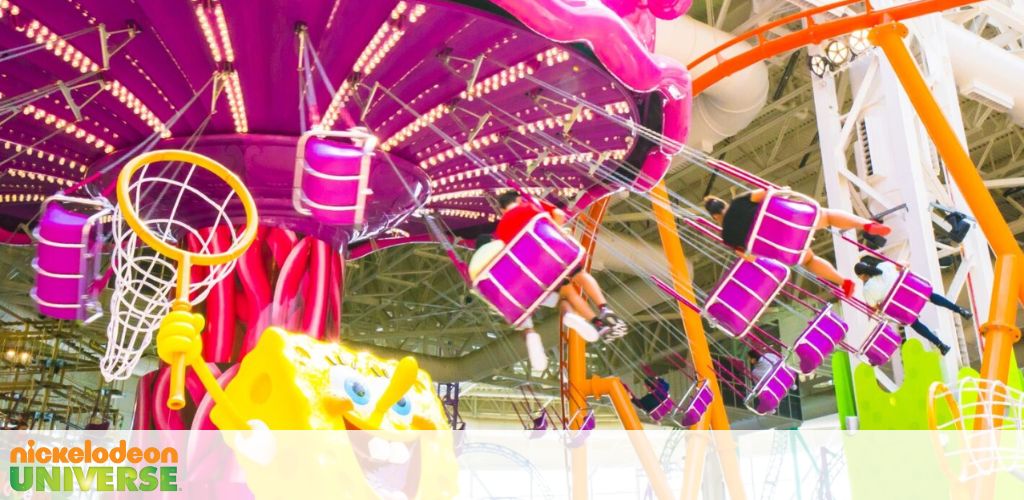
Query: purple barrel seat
[
  {"x": 695, "y": 403},
  {"x": 771, "y": 389},
  {"x": 784, "y": 227},
  {"x": 906, "y": 298},
  {"x": 819, "y": 339},
  {"x": 67, "y": 258},
  {"x": 744, "y": 293},
  {"x": 881, "y": 344},
  {"x": 576, "y": 437},
  {"x": 533, "y": 265},
  {"x": 332, "y": 179},
  {"x": 539, "y": 425},
  {"x": 663, "y": 408}
]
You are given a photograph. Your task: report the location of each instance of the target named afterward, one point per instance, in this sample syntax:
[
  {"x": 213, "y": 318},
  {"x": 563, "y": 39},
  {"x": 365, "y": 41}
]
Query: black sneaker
[
  {"x": 619, "y": 327},
  {"x": 944, "y": 349},
  {"x": 965, "y": 313},
  {"x": 603, "y": 329}
]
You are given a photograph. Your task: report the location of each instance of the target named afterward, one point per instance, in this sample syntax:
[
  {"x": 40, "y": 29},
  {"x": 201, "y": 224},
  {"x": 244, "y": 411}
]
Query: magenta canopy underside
[{"x": 426, "y": 68}]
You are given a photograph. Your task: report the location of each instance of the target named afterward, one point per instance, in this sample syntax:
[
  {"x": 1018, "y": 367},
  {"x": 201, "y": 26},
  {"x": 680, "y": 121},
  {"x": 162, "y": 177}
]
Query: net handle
[{"x": 131, "y": 217}]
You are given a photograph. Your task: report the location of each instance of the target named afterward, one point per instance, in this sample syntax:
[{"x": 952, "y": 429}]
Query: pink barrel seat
[
  {"x": 881, "y": 344},
  {"x": 784, "y": 227},
  {"x": 530, "y": 267},
  {"x": 695, "y": 403},
  {"x": 906, "y": 298},
  {"x": 67, "y": 257},
  {"x": 744, "y": 293},
  {"x": 332, "y": 177},
  {"x": 769, "y": 392},
  {"x": 819, "y": 339}
]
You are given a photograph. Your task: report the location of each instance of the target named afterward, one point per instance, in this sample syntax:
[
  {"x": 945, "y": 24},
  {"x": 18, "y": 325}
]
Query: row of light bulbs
[
  {"x": 21, "y": 198},
  {"x": 223, "y": 51},
  {"x": 6, "y": 7},
  {"x": 227, "y": 53},
  {"x": 138, "y": 107},
  {"x": 52, "y": 158},
  {"x": 61, "y": 48},
  {"x": 236, "y": 101},
  {"x": 481, "y": 88},
  {"x": 52, "y": 179},
  {"x": 67, "y": 127},
  {"x": 468, "y": 174},
  {"x": 385, "y": 39}
]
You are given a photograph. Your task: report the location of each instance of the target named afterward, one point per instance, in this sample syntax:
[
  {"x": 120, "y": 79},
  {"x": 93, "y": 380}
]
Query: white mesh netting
[{"x": 187, "y": 207}]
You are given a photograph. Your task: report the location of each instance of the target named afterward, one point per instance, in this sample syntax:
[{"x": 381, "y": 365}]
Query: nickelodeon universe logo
[{"x": 62, "y": 469}]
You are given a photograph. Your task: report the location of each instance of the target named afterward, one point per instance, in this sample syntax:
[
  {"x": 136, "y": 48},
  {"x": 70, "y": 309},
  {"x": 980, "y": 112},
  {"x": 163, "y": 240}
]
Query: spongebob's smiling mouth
[{"x": 391, "y": 467}]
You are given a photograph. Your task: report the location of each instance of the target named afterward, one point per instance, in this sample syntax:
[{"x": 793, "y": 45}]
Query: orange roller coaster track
[{"x": 814, "y": 32}]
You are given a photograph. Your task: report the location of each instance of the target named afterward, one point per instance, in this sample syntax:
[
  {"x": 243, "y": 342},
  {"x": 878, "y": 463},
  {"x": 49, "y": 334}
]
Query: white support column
[
  {"x": 837, "y": 187},
  {"x": 901, "y": 169},
  {"x": 975, "y": 253},
  {"x": 897, "y": 164}
]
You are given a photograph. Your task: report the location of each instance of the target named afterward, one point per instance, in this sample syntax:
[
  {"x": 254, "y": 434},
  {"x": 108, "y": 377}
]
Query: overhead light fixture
[
  {"x": 858, "y": 42},
  {"x": 819, "y": 65},
  {"x": 837, "y": 52}
]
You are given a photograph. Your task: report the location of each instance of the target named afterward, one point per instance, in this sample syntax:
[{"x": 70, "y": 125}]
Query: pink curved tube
[
  {"x": 314, "y": 308},
  {"x": 195, "y": 387},
  {"x": 242, "y": 306},
  {"x": 255, "y": 277},
  {"x": 201, "y": 421},
  {"x": 220, "y": 306},
  {"x": 14, "y": 238},
  {"x": 164, "y": 418},
  {"x": 668, "y": 9},
  {"x": 625, "y": 55},
  {"x": 288, "y": 281},
  {"x": 281, "y": 242},
  {"x": 337, "y": 291},
  {"x": 196, "y": 273}
]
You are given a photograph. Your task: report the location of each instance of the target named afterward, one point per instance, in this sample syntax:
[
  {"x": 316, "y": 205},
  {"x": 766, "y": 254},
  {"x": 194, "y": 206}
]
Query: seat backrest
[
  {"x": 784, "y": 227},
  {"x": 530, "y": 267},
  {"x": 743, "y": 294},
  {"x": 907, "y": 297}
]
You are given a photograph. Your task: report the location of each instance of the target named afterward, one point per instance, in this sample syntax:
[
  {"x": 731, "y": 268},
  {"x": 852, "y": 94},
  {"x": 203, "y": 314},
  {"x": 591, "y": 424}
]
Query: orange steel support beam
[
  {"x": 814, "y": 33},
  {"x": 700, "y": 354},
  {"x": 1000, "y": 331},
  {"x": 581, "y": 387}
]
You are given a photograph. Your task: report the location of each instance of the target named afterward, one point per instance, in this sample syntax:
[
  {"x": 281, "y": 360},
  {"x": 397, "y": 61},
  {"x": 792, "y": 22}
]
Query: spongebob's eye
[
  {"x": 403, "y": 407},
  {"x": 357, "y": 392}
]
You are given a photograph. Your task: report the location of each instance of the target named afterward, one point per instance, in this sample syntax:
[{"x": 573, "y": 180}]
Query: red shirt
[{"x": 513, "y": 221}]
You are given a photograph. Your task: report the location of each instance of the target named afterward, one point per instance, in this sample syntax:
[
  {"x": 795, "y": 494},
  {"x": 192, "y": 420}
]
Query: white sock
[
  {"x": 535, "y": 352},
  {"x": 580, "y": 325}
]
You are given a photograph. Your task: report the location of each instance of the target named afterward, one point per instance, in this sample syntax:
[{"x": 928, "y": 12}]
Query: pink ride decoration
[
  {"x": 771, "y": 389},
  {"x": 819, "y": 339},
  {"x": 331, "y": 177},
  {"x": 68, "y": 257},
  {"x": 532, "y": 266},
  {"x": 744, "y": 293},
  {"x": 624, "y": 55}
]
